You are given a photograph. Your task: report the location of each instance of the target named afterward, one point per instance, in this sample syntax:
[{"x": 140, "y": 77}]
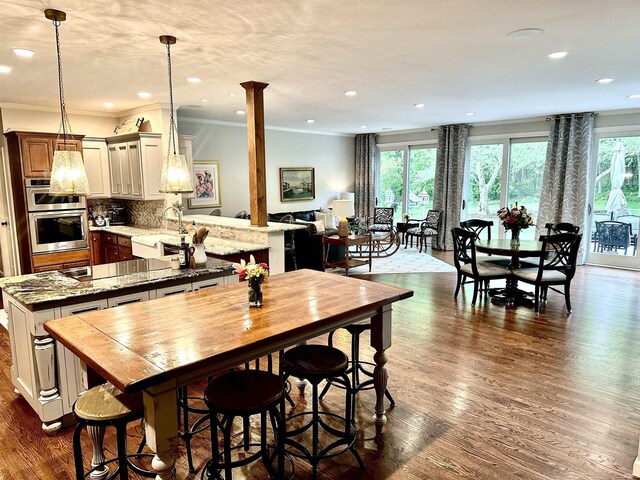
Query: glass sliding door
[
  {"x": 422, "y": 169},
  {"x": 526, "y": 166},
  {"x": 390, "y": 191},
  {"x": 483, "y": 193},
  {"x": 614, "y": 207}
]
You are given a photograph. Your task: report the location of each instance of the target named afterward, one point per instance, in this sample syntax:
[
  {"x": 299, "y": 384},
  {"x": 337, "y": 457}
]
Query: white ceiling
[{"x": 452, "y": 55}]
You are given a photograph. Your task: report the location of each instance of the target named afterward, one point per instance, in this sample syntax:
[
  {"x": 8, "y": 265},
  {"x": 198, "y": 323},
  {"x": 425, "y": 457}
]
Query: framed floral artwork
[
  {"x": 297, "y": 184},
  {"x": 206, "y": 188}
]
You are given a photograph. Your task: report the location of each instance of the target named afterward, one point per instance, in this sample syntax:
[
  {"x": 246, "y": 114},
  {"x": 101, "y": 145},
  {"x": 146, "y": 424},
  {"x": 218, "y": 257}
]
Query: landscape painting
[
  {"x": 297, "y": 184},
  {"x": 206, "y": 188}
]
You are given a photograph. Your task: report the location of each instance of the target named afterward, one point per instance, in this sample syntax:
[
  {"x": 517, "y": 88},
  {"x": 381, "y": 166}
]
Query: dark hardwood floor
[{"x": 483, "y": 393}]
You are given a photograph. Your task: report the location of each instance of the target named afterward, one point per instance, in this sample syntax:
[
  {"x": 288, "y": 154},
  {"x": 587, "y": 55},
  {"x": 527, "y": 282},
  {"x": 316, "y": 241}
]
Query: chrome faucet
[{"x": 178, "y": 208}]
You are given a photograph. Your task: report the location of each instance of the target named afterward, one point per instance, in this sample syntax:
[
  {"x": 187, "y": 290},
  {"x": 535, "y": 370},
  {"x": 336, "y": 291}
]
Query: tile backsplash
[{"x": 139, "y": 213}]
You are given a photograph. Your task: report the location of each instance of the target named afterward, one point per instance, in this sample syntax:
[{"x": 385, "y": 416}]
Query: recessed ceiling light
[
  {"x": 635, "y": 95},
  {"x": 350, "y": 93},
  {"x": 418, "y": 105},
  {"x": 311, "y": 120},
  {"x": 363, "y": 126},
  {"x": 557, "y": 55},
  {"x": 470, "y": 114},
  {"x": 5, "y": 69},
  {"x": 232, "y": 94},
  {"x": 23, "y": 52},
  {"x": 240, "y": 112},
  {"x": 204, "y": 100},
  {"x": 144, "y": 94},
  {"x": 107, "y": 104},
  {"x": 193, "y": 80},
  {"x": 525, "y": 33},
  {"x": 604, "y": 81}
]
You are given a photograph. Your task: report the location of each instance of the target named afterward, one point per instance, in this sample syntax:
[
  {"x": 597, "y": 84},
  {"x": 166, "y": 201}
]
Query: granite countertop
[
  {"x": 237, "y": 223},
  {"x": 152, "y": 236},
  {"x": 36, "y": 289}
]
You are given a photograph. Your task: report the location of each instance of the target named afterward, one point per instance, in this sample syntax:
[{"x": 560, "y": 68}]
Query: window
[
  {"x": 406, "y": 186},
  {"x": 503, "y": 173}
]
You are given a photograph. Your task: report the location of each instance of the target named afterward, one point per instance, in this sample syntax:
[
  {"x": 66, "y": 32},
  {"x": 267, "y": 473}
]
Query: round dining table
[{"x": 511, "y": 294}]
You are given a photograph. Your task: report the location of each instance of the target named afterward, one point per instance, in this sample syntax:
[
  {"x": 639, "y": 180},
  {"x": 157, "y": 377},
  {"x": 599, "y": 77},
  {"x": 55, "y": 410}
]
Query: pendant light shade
[
  {"x": 68, "y": 175},
  {"x": 175, "y": 176}
]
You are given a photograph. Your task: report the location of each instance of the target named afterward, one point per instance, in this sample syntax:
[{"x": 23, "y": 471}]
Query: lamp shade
[
  {"x": 68, "y": 175},
  {"x": 175, "y": 176},
  {"x": 348, "y": 196},
  {"x": 343, "y": 208}
]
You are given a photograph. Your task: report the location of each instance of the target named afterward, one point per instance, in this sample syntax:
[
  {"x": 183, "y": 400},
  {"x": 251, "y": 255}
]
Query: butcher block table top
[{"x": 144, "y": 344}]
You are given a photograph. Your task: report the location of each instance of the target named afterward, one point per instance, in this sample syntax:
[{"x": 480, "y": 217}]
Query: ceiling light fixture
[
  {"x": 193, "y": 80},
  {"x": 107, "y": 104},
  {"x": 204, "y": 100},
  {"x": 470, "y": 114},
  {"x": 525, "y": 33},
  {"x": 23, "y": 52},
  {"x": 175, "y": 176},
  {"x": 231, "y": 94},
  {"x": 144, "y": 94},
  {"x": 604, "y": 81},
  {"x": 418, "y": 105},
  {"x": 635, "y": 96},
  {"x": 5, "y": 69},
  {"x": 557, "y": 55},
  {"x": 363, "y": 126},
  {"x": 311, "y": 120},
  {"x": 68, "y": 175},
  {"x": 240, "y": 112},
  {"x": 350, "y": 93}
]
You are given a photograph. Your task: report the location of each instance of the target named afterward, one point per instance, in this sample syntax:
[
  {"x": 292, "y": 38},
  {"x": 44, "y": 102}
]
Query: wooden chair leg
[
  {"x": 475, "y": 291},
  {"x": 459, "y": 282},
  {"x": 537, "y": 298},
  {"x": 567, "y": 296}
]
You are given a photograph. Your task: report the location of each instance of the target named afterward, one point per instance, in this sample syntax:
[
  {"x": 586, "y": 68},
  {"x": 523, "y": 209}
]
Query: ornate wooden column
[{"x": 255, "y": 136}]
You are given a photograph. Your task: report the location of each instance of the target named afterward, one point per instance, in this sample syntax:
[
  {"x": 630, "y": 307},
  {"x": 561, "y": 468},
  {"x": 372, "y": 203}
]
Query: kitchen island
[{"x": 43, "y": 371}]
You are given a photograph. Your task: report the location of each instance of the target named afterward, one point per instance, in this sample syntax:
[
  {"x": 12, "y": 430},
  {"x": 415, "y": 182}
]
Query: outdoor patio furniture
[
  {"x": 634, "y": 221},
  {"x": 612, "y": 236}
]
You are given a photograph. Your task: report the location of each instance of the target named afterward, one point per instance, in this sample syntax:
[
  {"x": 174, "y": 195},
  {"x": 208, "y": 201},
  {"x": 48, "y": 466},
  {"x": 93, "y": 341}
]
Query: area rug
[{"x": 404, "y": 261}]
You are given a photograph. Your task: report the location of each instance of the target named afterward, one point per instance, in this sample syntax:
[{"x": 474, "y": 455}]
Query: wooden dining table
[
  {"x": 160, "y": 345},
  {"x": 511, "y": 294}
]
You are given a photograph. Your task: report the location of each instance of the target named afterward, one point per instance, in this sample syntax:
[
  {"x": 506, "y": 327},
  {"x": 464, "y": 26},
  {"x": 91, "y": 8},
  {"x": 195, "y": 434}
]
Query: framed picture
[
  {"x": 297, "y": 184},
  {"x": 206, "y": 188}
]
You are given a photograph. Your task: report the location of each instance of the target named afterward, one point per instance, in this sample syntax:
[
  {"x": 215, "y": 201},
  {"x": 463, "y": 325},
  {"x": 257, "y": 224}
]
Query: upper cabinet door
[
  {"x": 114, "y": 169},
  {"x": 135, "y": 166},
  {"x": 96, "y": 163},
  {"x": 37, "y": 156},
  {"x": 70, "y": 145},
  {"x": 125, "y": 168},
  {"x": 151, "y": 157}
]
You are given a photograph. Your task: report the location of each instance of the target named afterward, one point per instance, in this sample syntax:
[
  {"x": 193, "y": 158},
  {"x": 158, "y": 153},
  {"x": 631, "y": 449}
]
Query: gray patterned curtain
[
  {"x": 365, "y": 174},
  {"x": 447, "y": 191},
  {"x": 564, "y": 182}
]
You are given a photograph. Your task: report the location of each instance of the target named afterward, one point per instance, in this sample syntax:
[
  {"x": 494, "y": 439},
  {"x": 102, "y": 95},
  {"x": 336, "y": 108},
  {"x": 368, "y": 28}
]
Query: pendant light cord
[
  {"x": 171, "y": 120},
  {"x": 63, "y": 108}
]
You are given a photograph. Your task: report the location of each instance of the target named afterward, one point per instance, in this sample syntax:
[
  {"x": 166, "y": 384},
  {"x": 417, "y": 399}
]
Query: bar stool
[
  {"x": 244, "y": 393},
  {"x": 101, "y": 407},
  {"x": 357, "y": 367},
  {"x": 316, "y": 363},
  {"x": 185, "y": 407}
]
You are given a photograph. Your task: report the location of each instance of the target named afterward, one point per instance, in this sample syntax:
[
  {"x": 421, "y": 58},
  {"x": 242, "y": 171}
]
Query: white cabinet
[
  {"x": 127, "y": 299},
  {"x": 96, "y": 162},
  {"x": 135, "y": 163}
]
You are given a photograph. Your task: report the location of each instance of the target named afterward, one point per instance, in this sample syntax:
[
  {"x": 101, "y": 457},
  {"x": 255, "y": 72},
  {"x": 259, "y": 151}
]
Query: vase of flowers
[
  {"x": 515, "y": 219},
  {"x": 255, "y": 275}
]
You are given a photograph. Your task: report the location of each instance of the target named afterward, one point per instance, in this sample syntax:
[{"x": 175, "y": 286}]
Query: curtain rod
[{"x": 593, "y": 114}]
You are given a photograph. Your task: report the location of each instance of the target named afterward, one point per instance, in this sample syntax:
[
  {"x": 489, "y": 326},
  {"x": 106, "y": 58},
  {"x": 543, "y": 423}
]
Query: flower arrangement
[
  {"x": 515, "y": 218},
  {"x": 252, "y": 272}
]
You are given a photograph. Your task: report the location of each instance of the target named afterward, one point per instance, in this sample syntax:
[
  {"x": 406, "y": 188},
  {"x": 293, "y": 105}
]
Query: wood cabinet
[
  {"x": 110, "y": 248},
  {"x": 47, "y": 262},
  {"x": 135, "y": 163},
  {"x": 37, "y": 152},
  {"x": 96, "y": 162}
]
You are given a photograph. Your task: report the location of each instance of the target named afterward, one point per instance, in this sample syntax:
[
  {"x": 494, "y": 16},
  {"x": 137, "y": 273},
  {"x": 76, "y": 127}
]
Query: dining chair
[
  {"x": 557, "y": 266},
  {"x": 561, "y": 227},
  {"x": 467, "y": 265}
]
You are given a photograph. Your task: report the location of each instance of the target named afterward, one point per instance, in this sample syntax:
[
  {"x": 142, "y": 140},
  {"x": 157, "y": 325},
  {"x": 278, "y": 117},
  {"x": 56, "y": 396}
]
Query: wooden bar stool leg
[{"x": 96, "y": 435}]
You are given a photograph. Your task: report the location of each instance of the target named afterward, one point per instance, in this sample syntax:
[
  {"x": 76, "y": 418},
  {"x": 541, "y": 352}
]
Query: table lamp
[{"x": 343, "y": 209}]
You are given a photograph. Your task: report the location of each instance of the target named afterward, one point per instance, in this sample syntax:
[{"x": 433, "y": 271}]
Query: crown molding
[
  {"x": 49, "y": 109},
  {"x": 208, "y": 121},
  {"x": 143, "y": 108}
]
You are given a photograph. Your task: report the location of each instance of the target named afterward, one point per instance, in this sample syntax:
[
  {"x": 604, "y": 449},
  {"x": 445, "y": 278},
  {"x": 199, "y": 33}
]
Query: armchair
[{"x": 429, "y": 227}]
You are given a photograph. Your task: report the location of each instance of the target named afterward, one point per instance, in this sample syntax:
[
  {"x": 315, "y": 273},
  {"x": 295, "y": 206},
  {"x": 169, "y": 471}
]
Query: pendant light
[
  {"x": 175, "y": 176},
  {"x": 68, "y": 175}
]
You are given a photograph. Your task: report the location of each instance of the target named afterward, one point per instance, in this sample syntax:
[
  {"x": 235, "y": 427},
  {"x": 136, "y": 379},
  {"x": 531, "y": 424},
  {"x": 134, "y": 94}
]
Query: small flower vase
[
  {"x": 255, "y": 294},
  {"x": 515, "y": 237}
]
